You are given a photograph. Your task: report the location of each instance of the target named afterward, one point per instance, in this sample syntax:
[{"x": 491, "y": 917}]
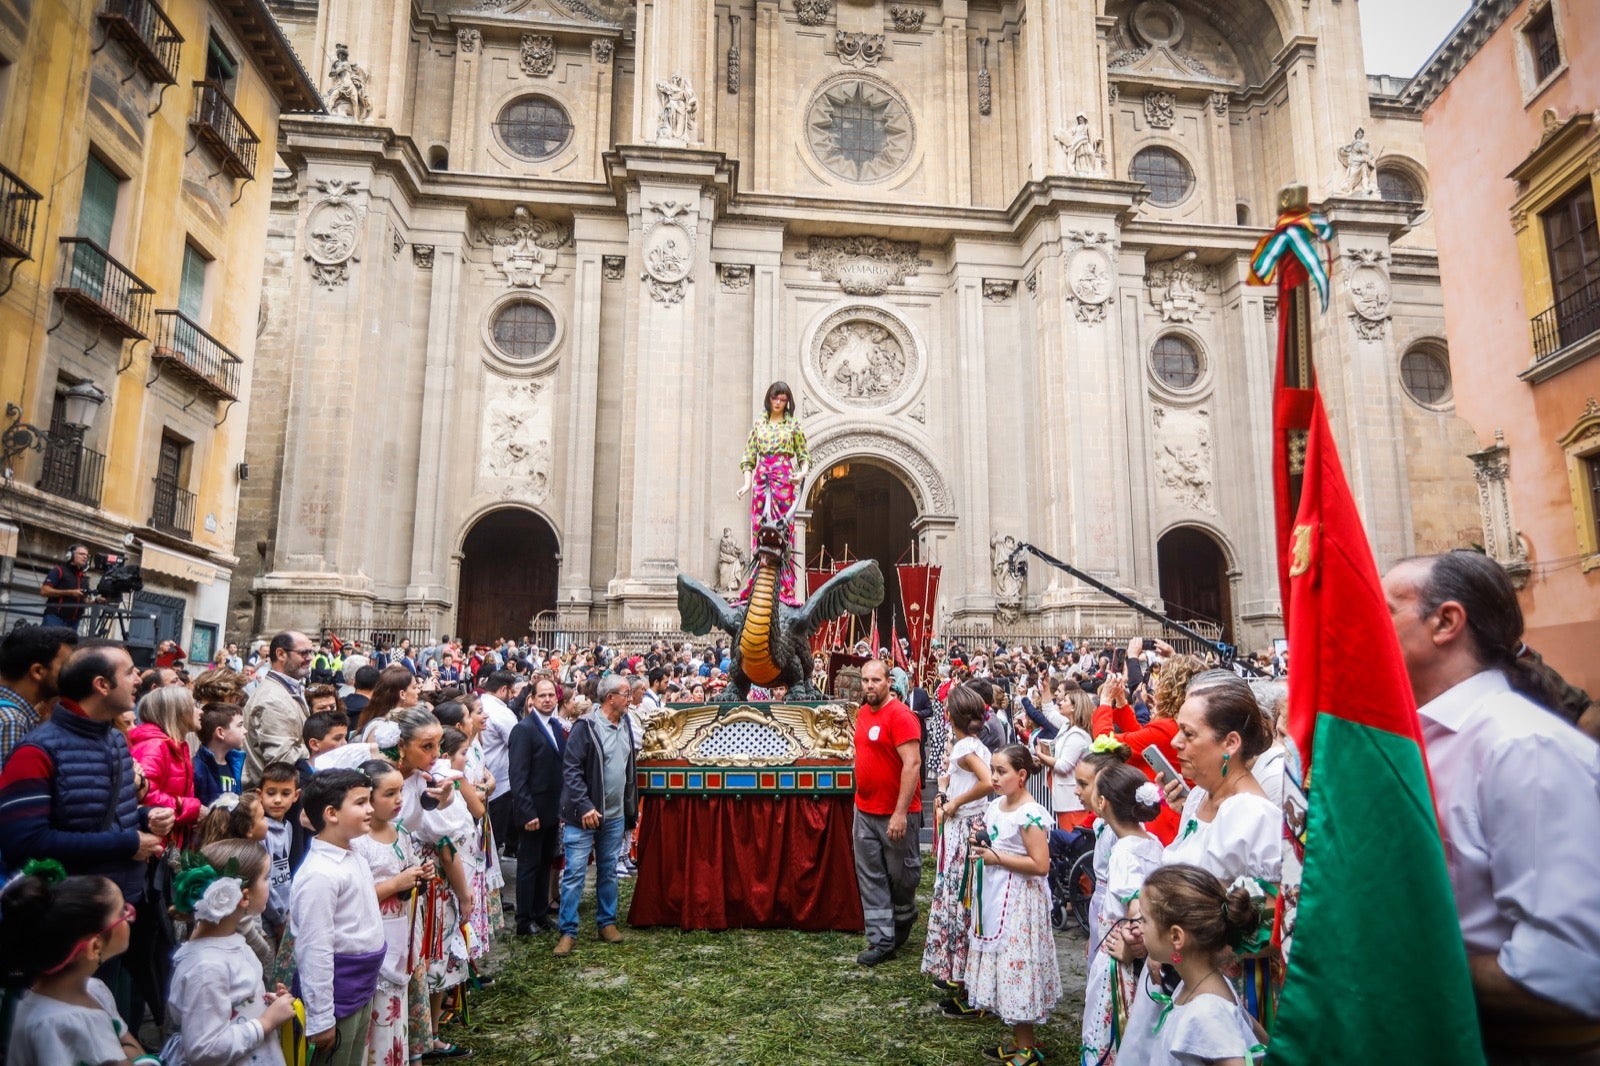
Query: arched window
[
  {"x": 534, "y": 127},
  {"x": 1398, "y": 186},
  {"x": 1165, "y": 171}
]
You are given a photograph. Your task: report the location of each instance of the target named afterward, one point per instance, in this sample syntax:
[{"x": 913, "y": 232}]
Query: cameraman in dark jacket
[{"x": 599, "y": 803}]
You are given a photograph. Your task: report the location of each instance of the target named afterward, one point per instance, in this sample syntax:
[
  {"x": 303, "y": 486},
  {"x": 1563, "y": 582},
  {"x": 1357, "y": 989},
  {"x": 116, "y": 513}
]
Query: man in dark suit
[{"x": 538, "y": 743}]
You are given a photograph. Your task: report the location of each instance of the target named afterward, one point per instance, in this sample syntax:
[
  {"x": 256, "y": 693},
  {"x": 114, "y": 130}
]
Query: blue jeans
[{"x": 578, "y": 842}]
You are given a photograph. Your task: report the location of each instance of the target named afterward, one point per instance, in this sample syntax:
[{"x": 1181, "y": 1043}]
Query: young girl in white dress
[
  {"x": 401, "y": 1029},
  {"x": 218, "y": 1008},
  {"x": 55, "y": 932},
  {"x": 963, "y": 793},
  {"x": 1105, "y": 751},
  {"x": 1191, "y": 923},
  {"x": 1011, "y": 965},
  {"x": 1123, "y": 799}
]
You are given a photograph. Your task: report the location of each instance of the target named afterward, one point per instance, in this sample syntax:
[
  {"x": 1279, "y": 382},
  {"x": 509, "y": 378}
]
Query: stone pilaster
[{"x": 675, "y": 39}]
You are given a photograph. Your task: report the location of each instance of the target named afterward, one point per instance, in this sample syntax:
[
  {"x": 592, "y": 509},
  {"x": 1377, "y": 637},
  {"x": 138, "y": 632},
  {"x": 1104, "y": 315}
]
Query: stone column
[
  {"x": 974, "y": 595},
  {"x": 431, "y": 547},
  {"x": 1064, "y": 73},
  {"x": 674, "y": 198},
  {"x": 675, "y": 38},
  {"x": 1358, "y": 371}
]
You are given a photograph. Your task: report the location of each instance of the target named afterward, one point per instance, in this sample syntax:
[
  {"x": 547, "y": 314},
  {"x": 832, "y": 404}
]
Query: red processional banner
[{"x": 919, "y": 594}]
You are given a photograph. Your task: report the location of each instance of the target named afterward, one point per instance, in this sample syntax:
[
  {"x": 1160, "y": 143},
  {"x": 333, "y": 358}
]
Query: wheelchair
[{"x": 1071, "y": 878}]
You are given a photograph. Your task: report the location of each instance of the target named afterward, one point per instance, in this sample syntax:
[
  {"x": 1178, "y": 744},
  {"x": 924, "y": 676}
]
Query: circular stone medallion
[
  {"x": 864, "y": 357},
  {"x": 668, "y": 253},
  {"x": 1089, "y": 272}
]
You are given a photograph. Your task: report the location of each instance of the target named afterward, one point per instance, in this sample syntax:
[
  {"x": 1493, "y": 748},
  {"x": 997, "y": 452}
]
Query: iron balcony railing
[
  {"x": 196, "y": 354},
  {"x": 18, "y": 212},
  {"x": 1567, "y": 322},
  {"x": 220, "y": 127},
  {"x": 1549, "y": 57},
  {"x": 150, "y": 38},
  {"x": 72, "y": 471},
  {"x": 173, "y": 509},
  {"x": 103, "y": 288}
]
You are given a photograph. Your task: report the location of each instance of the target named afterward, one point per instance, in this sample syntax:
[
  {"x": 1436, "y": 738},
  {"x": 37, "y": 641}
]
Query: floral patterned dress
[
  {"x": 401, "y": 1028},
  {"x": 435, "y": 832},
  {"x": 771, "y": 454},
  {"x": 487, "y": 916},
  {"x": 944, "y": 955},
  {"x": 1011, "y": 962}
]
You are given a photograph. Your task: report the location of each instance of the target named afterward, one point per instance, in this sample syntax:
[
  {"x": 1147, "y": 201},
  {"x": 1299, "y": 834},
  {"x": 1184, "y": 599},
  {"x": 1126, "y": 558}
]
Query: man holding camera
[
  {"x": 66, "y": 589},
  {"x": 888, "y": 817}
]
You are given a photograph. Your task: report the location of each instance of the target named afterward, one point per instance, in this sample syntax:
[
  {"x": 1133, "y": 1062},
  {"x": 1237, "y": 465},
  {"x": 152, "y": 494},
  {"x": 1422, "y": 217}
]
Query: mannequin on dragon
[{"x": 771, "y": 632}]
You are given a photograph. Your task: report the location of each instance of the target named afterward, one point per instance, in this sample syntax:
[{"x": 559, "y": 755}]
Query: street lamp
[{"x": 80, "y": 405}]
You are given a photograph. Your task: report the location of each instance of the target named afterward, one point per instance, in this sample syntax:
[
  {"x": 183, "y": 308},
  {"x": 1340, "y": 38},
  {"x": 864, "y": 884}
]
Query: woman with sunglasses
[{"x": 55, "y": 932}]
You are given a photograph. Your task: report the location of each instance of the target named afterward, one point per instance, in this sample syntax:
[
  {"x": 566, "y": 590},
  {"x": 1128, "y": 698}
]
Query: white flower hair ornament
[
  {"x": 220, "y": 899},
  {"x": 1148, "y": 793}
]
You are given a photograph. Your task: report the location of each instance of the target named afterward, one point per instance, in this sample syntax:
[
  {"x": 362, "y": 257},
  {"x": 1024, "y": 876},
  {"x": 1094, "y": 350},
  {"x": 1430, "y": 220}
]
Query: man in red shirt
[{"x": 888, "y": 822}]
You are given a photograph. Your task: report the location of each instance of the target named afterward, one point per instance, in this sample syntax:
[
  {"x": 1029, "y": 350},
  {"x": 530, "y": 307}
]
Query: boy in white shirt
[{"x": 333, "y": 914}]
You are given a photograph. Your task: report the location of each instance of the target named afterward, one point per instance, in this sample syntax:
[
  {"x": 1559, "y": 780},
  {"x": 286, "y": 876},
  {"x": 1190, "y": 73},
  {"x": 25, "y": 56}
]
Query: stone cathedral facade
[{"x": 529, "y": 279}]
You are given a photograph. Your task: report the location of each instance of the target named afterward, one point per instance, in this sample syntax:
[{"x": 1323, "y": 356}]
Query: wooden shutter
[
  {"x": 192, "y": 289},
  {"x": 97, "y": 213}
]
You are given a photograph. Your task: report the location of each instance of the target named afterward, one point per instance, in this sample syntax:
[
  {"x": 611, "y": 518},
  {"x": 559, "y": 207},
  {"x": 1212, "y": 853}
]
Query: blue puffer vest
[{"x": 92, "y": 789}]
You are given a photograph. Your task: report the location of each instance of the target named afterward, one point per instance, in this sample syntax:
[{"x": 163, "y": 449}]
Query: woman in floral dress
[{"x": 774, "y": 464}]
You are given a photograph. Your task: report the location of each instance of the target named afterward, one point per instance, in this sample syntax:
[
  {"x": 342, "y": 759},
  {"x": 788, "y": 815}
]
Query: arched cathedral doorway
[
  {"x": 863, "y": 510},
  {"x": 510, "y": 562},
  {"x": 1194, "y": 578}
]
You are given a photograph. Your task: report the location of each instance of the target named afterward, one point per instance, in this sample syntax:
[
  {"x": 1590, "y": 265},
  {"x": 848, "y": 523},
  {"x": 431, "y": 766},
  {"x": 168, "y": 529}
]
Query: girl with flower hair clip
[
  {"x": 1124, "y": 800},
  {"x": 1106, "y": 751},
  {"x": 55, "y": 932},
  {"x": 218, "y": 1009}
]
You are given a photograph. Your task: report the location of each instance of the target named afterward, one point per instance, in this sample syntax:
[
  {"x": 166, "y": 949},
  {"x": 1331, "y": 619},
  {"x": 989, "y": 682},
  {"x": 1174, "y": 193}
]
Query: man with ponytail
[{"x": 1518, "y": 792}]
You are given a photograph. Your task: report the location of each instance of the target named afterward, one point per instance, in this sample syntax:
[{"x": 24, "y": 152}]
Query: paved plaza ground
[{"x": 740, "y": 998}]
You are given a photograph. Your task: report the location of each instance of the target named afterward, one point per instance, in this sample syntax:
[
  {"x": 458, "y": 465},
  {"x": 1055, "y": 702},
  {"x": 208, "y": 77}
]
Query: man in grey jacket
[{"x": 599, "y": 803}]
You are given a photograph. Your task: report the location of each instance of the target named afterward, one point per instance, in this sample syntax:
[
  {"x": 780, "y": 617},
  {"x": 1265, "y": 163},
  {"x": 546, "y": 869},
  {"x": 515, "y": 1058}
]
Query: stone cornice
[{"x": 1456, "y": 51}]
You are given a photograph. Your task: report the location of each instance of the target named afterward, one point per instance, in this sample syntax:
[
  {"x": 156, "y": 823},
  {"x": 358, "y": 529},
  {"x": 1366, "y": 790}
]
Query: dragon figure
[{"x": 771, "y": 640}]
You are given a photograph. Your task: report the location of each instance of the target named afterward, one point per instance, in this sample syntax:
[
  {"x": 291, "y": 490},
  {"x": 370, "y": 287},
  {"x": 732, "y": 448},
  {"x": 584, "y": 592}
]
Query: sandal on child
[
  {"x": 446, "y": 1051},
  {"x": 998, "y": 1052},
  {"x": 946, "y": 986},
  {"x": 1026, "y": 1056},
  {"x": 961, "y": 1010}
]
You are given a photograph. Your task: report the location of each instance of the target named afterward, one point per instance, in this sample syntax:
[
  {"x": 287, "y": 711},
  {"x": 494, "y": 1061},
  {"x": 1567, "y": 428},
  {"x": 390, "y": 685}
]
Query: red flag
[
  {"x": 896, "y": 652},
  {"x": 919, "y": 593},
  {"x": 821, "y": 639},
  {"x": 1404, "y": 991}
]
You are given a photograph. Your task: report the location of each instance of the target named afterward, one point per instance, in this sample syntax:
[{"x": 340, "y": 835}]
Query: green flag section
[{"x": 1377, "y": 970}]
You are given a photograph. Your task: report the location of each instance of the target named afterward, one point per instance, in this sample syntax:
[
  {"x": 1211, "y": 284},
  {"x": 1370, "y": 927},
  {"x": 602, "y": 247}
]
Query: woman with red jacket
[
  {"x": 1115, "y": 715},
  {"x": 166, "y": 715}
]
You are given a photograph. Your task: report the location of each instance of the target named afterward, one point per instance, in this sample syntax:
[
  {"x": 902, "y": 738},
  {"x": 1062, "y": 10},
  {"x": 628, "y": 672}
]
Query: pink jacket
[{"x": 169, "y": 768}]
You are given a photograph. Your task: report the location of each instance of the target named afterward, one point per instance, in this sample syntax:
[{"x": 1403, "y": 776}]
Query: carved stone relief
[
  {"x": 524, "y": 247},
  {"x": 985, "y": 81},
  {"x": 614, "y": 267},
  {"x": 1091, "y": 274},
  {"x": 735, "y": 277},
  {"x": 1160, "y": 109},
  {"x": 901, "y": 450},
  {"x": 538, "y": 55},
  {"x": 813, "y": 12},
  {"x": 516, "y": 450},
  {"x": 858, "y": 49},
  {"x": 1219, "y": 104},
  {"x": 1366, "y": 282},
  {"x": 1501, "y": 539},
  {"x": 999, "y": 290},
  {"x": 1033, "y": 283},
  {"x": 468, "y": 39},
  {"x": 669, "y": 252},
  {"x": 1183, "y": 456},
  {"x": 1086, "y": 151},
  {"x": 1008, "y": 580},
  {"x": 422, "y": 256},
  {"x": 864, "y": 266},
  {"x": 602, "y": 49},
  {"x": 733, "y": 55},
  {"x": 906, "y": 19},
  {"x": 864, "y": 357},
  {"x": 1176, "y": 287},
  {"x": 1360, "y": 162},
  {"x": 333, "y": 232},
  {"x": 1269, "y": 307},
  {"x": 347, "y": 86}
]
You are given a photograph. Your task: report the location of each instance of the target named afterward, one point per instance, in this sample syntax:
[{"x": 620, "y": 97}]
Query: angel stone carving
[
  {"x": 347, "y": 93},
  {"x": 525, "y": 247}
]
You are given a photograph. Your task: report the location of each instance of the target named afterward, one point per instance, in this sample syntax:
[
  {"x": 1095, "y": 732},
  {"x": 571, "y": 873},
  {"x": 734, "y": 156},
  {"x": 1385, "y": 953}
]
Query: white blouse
[
  {"x": 963, "y": 780},
  {"x": 215, "y": 1004},
  {"x": 1206, "y": 1029},
  {"x": 46, "y": 1031},
  {"x": 1245, "y": 838}
]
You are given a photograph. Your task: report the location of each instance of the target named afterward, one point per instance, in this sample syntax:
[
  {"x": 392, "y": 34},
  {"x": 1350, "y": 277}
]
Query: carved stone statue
[
  {"x": 1085, "y": 152},
  {"x": 730, "y": 564},
  {"x": 1360, "y": 162},
  {"x": 347, "y": 89},
  {"x": 680, "y": 109},
  {"x": 1007, "y": 582}
]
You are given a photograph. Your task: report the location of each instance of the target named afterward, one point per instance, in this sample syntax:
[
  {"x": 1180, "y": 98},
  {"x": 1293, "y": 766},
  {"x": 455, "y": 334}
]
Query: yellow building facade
[{"x": 137, "y": 142}]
